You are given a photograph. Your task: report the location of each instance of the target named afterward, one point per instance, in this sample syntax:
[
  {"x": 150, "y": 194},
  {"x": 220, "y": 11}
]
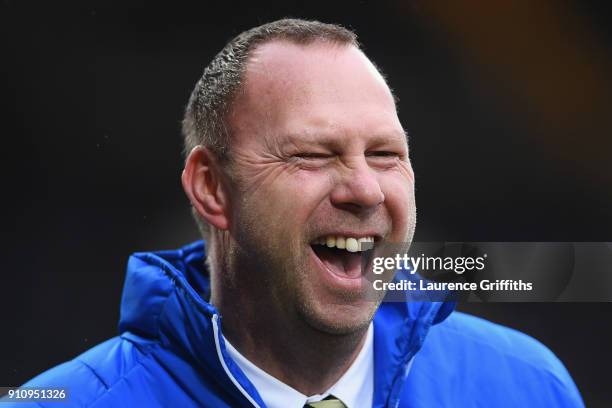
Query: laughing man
[{"x": 293, "y": 141}]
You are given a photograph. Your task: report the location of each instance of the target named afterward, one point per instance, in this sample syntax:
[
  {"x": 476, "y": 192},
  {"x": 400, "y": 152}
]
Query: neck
[
  {"x": 278, "y": 341},
  {"x": 300, "y": 356}
]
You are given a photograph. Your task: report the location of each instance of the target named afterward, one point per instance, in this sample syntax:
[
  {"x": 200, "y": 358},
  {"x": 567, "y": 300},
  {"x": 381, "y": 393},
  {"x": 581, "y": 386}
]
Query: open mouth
[{"x": 345, "y": 257}]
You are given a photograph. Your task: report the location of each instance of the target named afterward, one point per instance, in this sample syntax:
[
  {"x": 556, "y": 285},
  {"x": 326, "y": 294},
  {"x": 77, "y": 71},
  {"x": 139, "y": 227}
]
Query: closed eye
[
  {"x": 312, "y": 155},
  {"x": 384, "y": 159},
  {"x": 382, "y": 154}
]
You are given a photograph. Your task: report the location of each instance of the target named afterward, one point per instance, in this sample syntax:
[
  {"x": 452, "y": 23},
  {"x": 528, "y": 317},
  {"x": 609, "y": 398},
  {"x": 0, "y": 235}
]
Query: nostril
[{"x": 350, "y": 207}]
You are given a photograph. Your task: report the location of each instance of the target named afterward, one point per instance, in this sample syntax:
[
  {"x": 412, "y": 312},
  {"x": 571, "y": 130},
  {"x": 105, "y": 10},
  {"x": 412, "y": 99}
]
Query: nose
[{"x": 358, "y": 188}]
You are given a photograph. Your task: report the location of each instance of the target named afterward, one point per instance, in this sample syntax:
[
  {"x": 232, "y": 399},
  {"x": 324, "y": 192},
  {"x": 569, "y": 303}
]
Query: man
[{"x": 292, "y": 142}]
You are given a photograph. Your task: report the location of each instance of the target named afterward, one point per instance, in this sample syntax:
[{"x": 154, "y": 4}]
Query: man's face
[{"x": 317, "y": 152}]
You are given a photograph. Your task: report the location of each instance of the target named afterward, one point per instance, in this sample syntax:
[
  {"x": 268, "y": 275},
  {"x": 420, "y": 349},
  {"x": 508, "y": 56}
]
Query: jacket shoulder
[
  {"x": 497, "y": 339},
  {"x": 93, "y": 374},
  {"x": 487, "y": 361}
]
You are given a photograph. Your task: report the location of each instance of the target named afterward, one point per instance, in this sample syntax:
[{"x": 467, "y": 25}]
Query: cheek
[
  {"x": 300, "y": 193},
  {"x": 286, "y": 201},
  {"x": 400, "y": 202}
]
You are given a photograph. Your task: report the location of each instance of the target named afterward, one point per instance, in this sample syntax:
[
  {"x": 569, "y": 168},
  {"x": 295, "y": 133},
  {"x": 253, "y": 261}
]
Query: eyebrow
[{"x": 327, "y": 139}]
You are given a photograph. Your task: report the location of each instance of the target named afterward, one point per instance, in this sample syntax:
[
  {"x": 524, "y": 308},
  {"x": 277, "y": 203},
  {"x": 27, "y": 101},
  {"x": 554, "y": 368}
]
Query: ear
[{"x": 203, "y": 184}]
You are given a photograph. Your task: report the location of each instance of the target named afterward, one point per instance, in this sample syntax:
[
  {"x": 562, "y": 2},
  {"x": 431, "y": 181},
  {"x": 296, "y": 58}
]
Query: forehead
[
  {"x": 294, "y": 89},
  {"x": 280, "y": 69}
]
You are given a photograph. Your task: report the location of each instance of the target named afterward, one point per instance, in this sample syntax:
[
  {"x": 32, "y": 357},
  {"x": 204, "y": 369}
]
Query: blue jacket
[{"x": 170, "y": 353}]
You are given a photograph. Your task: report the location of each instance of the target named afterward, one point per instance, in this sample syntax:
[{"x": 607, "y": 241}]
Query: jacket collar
[{"x": 164, "y": 298}]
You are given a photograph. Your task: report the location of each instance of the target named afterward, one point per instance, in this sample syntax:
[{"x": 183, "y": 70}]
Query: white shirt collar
[{"x": 355, "y": 388}]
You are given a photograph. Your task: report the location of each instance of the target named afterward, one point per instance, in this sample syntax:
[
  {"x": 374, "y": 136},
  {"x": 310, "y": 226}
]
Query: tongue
[{"x": 339, "y": 261}]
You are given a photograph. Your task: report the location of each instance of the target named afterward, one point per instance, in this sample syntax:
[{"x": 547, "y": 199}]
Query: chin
[{"x": 339, "y": 319}]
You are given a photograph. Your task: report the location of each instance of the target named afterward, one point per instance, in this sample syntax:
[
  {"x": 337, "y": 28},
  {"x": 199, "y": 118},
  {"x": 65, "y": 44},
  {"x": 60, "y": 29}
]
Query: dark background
[{"x": 508, "y": 105}]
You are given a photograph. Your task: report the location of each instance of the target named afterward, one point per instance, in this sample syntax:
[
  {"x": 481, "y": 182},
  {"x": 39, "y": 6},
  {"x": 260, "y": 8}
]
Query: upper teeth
[{"x": 349, "y": 243}]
